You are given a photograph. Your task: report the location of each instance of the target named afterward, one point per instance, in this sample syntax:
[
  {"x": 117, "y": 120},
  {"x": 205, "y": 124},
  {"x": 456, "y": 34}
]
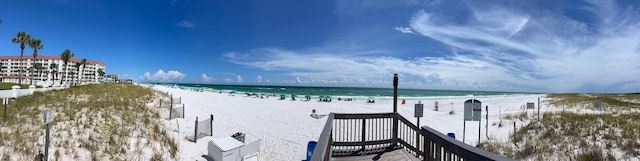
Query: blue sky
[{"x": 535, "y": 46}]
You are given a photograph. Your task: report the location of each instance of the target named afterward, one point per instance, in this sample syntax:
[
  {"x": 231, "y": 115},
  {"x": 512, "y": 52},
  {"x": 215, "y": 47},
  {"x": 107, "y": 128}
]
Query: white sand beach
[{"x": 285, "y": 127}]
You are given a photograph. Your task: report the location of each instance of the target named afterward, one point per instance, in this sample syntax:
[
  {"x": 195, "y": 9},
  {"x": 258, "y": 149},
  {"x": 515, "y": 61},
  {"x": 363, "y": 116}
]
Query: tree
[
  {"x": 39, "y": 68},
  {"x": 1, "y": 65},
  {"x": 54, "y": 70},
  {"x": 65, "y": 56},
  {"x": 35, "y": 44},
  {"x": 77, "y": 66},
  {"x": 84, "y": 64},
  {"x": 101, "y": 73},
  {"x": 22, "y": 38},
  {"x": 72, "y": 77}
]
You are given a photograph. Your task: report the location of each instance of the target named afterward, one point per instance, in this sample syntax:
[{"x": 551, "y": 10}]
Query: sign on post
[
  {"x": 472, "y": 110},
  {"x": 597, "y": 105},
  {"x": 419, "y": 109},
  {"x": 530, "y": 105},
  {"x": 6, "y": 101},
  {"x": 48, "y": 116}
]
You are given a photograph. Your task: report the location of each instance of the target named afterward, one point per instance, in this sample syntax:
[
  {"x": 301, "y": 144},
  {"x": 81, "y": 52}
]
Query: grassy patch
[
  {"x": 101, "y": 119},
  {"x": 577, "y": 136}
]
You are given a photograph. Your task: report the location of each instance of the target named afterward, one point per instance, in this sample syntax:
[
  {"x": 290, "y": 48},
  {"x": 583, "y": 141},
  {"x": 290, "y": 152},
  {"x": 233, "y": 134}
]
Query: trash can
[
  {"x": 310, "y": 147},
  {"x": 452, "y": 135}
]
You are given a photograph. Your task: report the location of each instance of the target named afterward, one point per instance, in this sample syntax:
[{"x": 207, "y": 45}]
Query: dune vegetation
[
  {"x": 577, "y": 131},
  {"x": 92, "y": 122}
]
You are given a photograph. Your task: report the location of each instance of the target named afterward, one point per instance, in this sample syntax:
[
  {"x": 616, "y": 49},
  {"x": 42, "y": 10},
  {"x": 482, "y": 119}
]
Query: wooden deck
[{"x": 399, "y": 154}]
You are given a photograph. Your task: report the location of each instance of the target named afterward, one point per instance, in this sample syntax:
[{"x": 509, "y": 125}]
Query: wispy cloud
[
  {"x": 493, "y": 47},
  {"x": 547, "y": 51},
  {"x": 185, "y": 24},
  {"x": 238, "y": 78},
  {"x": 160, "y": 75},
  {"x": 206, "y": 79},
  {"x": 405, "y": 30},
  {"x": 259, "y": 79}
]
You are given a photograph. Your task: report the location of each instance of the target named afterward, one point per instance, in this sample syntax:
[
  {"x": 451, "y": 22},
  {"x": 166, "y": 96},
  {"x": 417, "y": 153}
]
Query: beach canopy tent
[
  {"x": 307, "y": 97},
  {"x": 232, "y": 92},
  {"x": 283, "y": 96}
]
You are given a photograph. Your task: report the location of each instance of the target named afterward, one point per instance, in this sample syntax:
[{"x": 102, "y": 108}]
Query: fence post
[
  {"x": 183, "y": 107},
  {"x": 171, "y": 112},
  {"x": 195, "y": 134},
  {"x": 211, "y": 128}
]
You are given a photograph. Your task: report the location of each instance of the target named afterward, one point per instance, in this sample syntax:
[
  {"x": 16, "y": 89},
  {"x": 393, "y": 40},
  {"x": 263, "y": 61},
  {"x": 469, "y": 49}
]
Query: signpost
[
  {"x": 5, "y": 102},
  {"x": 48, "y": 117},
  {"x": 419, "y": 112},
  {"x": 472, "y": 112}
]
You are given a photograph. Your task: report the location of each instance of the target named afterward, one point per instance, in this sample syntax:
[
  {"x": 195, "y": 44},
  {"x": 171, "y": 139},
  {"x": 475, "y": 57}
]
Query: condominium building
[{"x": 49, "y": 70}]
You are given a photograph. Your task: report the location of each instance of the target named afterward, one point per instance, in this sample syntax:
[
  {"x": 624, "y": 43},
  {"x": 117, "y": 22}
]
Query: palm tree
[
  {"x": 77, "y": 66},
  {"x": 39, "y": 68},
  {"x": 1, "y": 65},
  {"x": 54, "y": 70},
  {"x": 72, "y": 77},
  {"x": 65, "y": 56},
  {"x": 21, "y": 39},
  {"x": 101, "y": 73},
  {"x": 83, "y": 63},
  {"x": 35, "y": 44}
]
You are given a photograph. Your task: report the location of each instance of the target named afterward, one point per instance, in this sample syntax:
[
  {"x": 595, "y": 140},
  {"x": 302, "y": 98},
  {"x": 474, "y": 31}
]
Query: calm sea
[{"x": 343, "y": 92}]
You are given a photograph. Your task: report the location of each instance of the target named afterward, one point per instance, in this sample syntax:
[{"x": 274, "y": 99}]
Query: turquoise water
[{"x": 344, "y": 92}]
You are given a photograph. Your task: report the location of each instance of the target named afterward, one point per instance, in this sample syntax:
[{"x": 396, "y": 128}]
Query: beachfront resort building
[{"x": 48, "y": 70}]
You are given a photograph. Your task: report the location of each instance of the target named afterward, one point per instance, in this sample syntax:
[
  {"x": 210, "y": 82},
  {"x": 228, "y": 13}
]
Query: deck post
[{"x": 395, "y": 110}]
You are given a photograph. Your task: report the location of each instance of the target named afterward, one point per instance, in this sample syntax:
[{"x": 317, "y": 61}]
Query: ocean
[{"x": 343, "y": 92}]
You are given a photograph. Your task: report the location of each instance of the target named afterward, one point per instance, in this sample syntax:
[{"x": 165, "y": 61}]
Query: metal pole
[
  {"x": 46, "y": 145},
  {"x": 464, "y": 130},
  {"x": 479, "y": 125}
]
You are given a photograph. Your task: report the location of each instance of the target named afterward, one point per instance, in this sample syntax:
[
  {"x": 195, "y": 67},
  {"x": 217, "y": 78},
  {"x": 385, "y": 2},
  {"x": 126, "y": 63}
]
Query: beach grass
[
  {"x": 92, "y": 122},
  {"x": 610, "y": 133}
]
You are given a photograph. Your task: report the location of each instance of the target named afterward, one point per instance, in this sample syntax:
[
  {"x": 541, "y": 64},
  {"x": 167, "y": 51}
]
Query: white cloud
[
  {"x": 185, "y": 24},
  {"x": 238, "y": 78},
  {"x": 161, "y": 76},
  {"x": 207, "y": 79},
  {"x": 298, "y": 80},
  {"x": 545, "y": 51},
  {"x": 494, "y": 48},
  {"x": 405, "y": 30},
  {"x": 228, "y": 80},
  {"x": 259, "y": 79}
]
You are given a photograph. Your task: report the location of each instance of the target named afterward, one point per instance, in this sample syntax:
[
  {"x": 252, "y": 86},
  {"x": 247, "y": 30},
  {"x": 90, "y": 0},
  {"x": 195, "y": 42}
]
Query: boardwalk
[{"x": 396, "y": 155}]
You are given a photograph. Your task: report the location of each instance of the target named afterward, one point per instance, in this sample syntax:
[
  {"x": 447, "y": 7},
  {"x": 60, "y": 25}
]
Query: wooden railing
[{"x": 365, "y": 134}]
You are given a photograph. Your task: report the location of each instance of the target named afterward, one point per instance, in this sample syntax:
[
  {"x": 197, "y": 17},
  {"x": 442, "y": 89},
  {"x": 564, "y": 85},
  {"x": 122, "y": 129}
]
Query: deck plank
[{"x": 399, "y": 154}]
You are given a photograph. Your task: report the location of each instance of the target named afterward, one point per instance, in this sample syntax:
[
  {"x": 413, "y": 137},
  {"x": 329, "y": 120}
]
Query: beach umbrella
[
  {"x": 321, "y": 97},
  {"x": 262, "y": 94},
  {"x": 232, "y": 92},
  {"x": 294, "y": 95},
  {"x": 307, "y": 97},
  {"x": 283, "y": 95}
]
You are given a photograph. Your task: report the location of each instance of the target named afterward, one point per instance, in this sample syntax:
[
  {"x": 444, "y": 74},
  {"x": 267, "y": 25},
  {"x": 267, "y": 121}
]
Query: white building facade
[{"x": 47, "y": 75}]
